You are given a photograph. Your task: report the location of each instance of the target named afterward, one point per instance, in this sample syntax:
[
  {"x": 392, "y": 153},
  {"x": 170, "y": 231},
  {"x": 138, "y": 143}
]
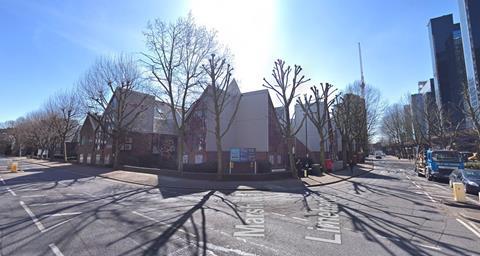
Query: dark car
[
  {"x": 470, "y": 179},
  {"x": 465, "y": 155}
]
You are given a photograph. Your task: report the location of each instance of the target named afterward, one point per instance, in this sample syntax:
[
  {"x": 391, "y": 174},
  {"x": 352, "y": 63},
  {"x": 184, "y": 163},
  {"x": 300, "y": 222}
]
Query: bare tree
[
  {"x": 317, "y": 108},
  {"x": 176, "y": 52},
  {"x": 374, "y": 105},
  {"x": 66, "y": 109},
  {"x": 224, "y": 99},
  {"x": 110, "y": 90},
  {"x": 285, "y": 90},
  {"x": 472, "y": 113},
  {"x": 349, "y": 114}
]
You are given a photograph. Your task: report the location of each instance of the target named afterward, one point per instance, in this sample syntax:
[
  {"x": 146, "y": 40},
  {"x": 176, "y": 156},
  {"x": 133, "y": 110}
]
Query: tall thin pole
[{"x": 362, "y": 85}]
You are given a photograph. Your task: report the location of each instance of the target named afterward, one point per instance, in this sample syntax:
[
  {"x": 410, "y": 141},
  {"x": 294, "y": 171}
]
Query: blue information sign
[{"x": 242, "y": 154}]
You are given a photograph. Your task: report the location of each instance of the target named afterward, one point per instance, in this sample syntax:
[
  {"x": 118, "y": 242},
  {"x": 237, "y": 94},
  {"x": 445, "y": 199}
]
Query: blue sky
[{"x": 47, "y": 45}]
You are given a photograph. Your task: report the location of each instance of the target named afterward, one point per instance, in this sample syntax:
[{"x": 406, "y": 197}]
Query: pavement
[
  {"x": 149, "y": 179},
  {"x": 73, "y": 210}
]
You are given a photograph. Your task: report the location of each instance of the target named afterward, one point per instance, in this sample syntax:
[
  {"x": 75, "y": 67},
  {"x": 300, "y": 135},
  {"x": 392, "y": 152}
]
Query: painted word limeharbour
[{"x": 327, "y": 228}]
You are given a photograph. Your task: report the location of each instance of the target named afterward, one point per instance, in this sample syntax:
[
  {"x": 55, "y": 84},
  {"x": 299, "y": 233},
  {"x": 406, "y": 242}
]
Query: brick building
[
  {"x": 255, "y": 126},
  {"x": 150, "y": 140}
]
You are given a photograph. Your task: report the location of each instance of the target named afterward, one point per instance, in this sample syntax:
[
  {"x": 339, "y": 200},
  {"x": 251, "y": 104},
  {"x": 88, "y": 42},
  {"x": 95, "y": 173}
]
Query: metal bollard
[{"x": 458, "y": 192}]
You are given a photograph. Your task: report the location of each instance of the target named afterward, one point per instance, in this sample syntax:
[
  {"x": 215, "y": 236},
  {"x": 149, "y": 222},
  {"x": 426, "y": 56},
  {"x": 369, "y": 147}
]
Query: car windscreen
[
  {"x": 471, "y": 174},
  {"x": 446, "y": 156}
]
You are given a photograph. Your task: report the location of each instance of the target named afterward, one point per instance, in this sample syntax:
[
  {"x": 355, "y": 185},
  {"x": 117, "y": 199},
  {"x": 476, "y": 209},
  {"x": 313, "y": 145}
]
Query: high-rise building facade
[
  {"x": 470, "y": 24},
  {"x": 448, "y": 67}
]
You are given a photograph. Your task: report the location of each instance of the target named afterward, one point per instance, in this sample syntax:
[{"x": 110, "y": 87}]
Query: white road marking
[
  {"x": 161, "y": 222},
  {"x": 430, "y": 197},
  {"x": 56, "y": 225},
  {"x": 408, "y": 177},
  {"x": 64, "y": 202},
  {"x": 62, "y": 214},
  {"x": 299, "y": 219},
  {"x": 429, "y": 246},
  {"x": 11, "y": 191},
  {"x": 227, "y": 250},
  {"x": 33, "y": 217},
  {"x": 30, "y": 189},
  {"x": 1, "y": 179},
  {"x": 32, "y": 196},
  {"x": 469, "y": 228},
  {"x": 474, "y": 226},
  {"x": 278, "y": 214},
  {"x": 55, "y": 250}
]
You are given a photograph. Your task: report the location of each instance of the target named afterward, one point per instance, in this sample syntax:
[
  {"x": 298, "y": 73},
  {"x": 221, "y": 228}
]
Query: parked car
[
  {"x": 470, "y": 179},
  {"x": 465, "y": 155},
  {"x": 378, "y": 154}
]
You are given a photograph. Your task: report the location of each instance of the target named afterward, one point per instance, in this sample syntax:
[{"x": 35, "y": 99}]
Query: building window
[
  {"x": 271, "y": 159},
  {"x": 279, "y": 159},
  {"x": 198, "y": 159}
]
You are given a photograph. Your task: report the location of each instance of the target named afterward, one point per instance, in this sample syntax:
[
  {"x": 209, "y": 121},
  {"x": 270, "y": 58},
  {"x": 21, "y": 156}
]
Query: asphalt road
[{"x": 390, "y": 211}]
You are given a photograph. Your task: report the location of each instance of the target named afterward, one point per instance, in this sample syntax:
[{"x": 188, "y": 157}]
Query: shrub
[
  {"x": 208, "y": 167},
  {"x": 264, "y": 166},
  {"x": 472, "y": 165}
]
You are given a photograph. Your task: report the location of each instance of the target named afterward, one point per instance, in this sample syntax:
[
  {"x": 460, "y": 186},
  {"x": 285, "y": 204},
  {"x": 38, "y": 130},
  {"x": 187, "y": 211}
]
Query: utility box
[{"x": 458, "y": 192}]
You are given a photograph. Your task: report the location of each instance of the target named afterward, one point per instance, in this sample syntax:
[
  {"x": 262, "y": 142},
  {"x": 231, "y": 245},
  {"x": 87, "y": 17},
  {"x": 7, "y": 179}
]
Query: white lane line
[
  {"x": 429, "y": 246},
  {"x": 299, "y": 219},
  {"x": 279, "y": 214},
  {"x": 430, "y": 197},
  {"x": 469, "y": 228},
  {"x": 62, "y": 214},
  {"x": 32, "y": 196},
  {"x": 33, "y": 217},
  {"x": 56, "y": 225},
  {"x": 54, "y": 203},
  {"x": 55, "y": 250},
  {"x": 408, "y": 177},
  {"x": 474, "y": 226},
  {"x": 11, "y": 191},
  {"x": 161, "y": 223}
]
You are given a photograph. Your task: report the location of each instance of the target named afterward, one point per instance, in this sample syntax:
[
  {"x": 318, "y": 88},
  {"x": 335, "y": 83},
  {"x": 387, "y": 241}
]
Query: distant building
[
  {"x": 309, "y": 137},
  {"x": 418, "y": 115},
  {"x": 470, "y": 24},
  {"x": 448, "y": 67},
  {"x": 424, "y": 109}
]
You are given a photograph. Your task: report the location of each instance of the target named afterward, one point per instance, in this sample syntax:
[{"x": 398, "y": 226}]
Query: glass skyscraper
[
  {"x": 448, "y": 67},
  {"x": 470, "y": 24}
]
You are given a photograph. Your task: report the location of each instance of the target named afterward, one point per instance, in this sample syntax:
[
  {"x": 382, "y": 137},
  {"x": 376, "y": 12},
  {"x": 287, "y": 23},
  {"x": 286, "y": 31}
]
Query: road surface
[{"x": 389, "y": 211}]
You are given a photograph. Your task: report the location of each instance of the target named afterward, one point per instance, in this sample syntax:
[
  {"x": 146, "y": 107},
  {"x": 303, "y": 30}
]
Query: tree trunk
[
  {"x": 219, "y": 159},
  {"x": 291, "y": 157},
  {"x": 65, "y": 156},
  {"x": 116, "y": 153},
  {"x": 218, "y": 138},
  {"x": 180, "y": 152},
  {"x": 322, "y": 148}
]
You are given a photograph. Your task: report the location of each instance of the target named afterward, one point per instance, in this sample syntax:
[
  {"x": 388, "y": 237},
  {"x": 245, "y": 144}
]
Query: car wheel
[{"x": 429, "y": 177}]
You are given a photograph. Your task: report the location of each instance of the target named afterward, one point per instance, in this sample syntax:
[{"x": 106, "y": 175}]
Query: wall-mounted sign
[{"x": 242, "y": 154}]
